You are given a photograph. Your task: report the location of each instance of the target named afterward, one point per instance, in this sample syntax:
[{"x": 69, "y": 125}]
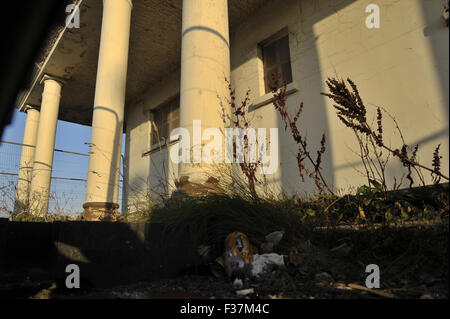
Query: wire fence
[{"x": 68, "y": 182}]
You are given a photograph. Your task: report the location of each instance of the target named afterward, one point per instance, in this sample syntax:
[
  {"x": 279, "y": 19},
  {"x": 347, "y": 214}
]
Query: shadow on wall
[
  {"x": 300, "y": 18},
  {"x": 437, "y": 33},
  {"x": 160, "y": 171},
  {"x": 315, "y": 105},
  {"x": 149, "y": 175},
  {"x": 315, "y": 108}
]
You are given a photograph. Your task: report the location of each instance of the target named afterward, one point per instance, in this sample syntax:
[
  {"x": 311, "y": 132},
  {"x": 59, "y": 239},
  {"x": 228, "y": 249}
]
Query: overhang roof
[{"x": 155, "y": 52}]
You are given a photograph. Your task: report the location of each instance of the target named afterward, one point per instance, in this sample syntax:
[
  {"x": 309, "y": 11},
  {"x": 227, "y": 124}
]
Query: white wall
[
  {"x": 144, "y": 175},
  {"x": 403, "y": 66}
]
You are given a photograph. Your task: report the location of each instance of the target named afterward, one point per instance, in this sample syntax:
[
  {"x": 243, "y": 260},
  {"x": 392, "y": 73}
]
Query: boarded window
[
  {"x": 276, "y": 60},
  {"x": 165, "y": 118}
]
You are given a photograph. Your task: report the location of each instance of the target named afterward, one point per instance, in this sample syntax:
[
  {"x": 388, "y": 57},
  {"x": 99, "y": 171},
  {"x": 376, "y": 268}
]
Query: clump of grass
[
  {"x": 49, "y": 218},
  {"x": 137, "y": 216},
  {"x": 217, "y": 216}
]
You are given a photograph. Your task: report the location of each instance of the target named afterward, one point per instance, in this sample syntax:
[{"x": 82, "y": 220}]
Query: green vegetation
[
  {"x": 49, "y": 218},
  {"x": 216, "y": 216}
]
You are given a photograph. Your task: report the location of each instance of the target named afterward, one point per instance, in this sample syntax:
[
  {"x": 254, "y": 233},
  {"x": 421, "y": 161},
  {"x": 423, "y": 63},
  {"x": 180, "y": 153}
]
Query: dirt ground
[{"x": 330, "y": 264}]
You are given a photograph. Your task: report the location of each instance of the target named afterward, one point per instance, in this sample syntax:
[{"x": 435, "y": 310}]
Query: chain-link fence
[{"x": 68, "y": 183}]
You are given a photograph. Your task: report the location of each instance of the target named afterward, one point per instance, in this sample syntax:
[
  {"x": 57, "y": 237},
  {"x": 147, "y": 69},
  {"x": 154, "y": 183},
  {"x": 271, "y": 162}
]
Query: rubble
[
  {"x": 266, "y": 248},
  {"x": 294, "y": 257},
  {"x": 245, "y": 292},
  {"x": 324, "y": 276},
  {"x": 275, "y": 237},
  {"x": 262, "y": 263},
  {"x": 342, "y": 250}
]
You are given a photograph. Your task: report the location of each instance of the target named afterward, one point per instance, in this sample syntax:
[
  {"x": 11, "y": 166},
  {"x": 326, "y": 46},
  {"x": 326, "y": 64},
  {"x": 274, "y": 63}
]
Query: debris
[
  {"x": 428, "y": 280},
  {"x": 324, "y": 276},
  {"x": 261, "y": 262},
  {"x": 45, "y": 293},
  {"x": 372, "y": 291},
  {"x": 275, "y": 237},
  {"x": 266, "y": 248},
  {"x": 341, "y": 285},
  {"x": 245, "y": 292},
  {"x": 305, "y": 246},
  {"x": 404, "y": 283},
  {"x": 294, "y": 256},
  {"x": 342, "y": 250},
  {"x": 237, "y": 283}
]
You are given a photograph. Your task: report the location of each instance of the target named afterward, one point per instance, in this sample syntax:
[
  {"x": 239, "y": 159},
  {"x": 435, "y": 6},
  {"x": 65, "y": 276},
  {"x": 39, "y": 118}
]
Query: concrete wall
[
  {"x": 107, "y": 254},
  {"x": 146, "y": 177},
  {"x": 403, "y": 66}
]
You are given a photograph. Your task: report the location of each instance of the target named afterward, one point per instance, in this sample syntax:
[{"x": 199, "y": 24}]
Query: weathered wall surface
[
  {"x": 147, "y": 176},
  {"x": 403, "y": 66}
]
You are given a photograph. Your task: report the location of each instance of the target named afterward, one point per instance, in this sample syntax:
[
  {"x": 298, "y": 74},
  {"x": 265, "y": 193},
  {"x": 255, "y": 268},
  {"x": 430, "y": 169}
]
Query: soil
[{"x": 331, "y": 264}]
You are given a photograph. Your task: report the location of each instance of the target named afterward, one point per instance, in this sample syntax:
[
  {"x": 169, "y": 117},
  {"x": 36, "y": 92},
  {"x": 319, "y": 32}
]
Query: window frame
[
  {"x": 174, "y": 104},
  {"x": 283, "y": 33}
]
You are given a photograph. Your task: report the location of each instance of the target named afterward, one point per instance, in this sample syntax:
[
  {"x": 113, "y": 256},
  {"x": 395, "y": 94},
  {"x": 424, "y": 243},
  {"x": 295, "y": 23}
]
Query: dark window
[
  {"x": 277, "y": 61},
  {"x": 165, "y": 118}
]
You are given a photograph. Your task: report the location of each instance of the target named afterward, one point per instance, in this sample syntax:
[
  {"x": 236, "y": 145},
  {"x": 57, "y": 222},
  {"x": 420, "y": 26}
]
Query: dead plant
[
  {"x": 303, "y": 153},
  {"x": 352, "y": 112}
]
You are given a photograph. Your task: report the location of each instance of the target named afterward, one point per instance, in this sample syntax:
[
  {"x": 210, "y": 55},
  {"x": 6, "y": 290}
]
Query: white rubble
[
  {"x": 245, "y": 292},
  {"x": 260, "y": 262},
  {"x": 275, "y": 237}
]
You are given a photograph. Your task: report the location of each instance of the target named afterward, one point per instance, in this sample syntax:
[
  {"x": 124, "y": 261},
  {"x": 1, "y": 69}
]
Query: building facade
[{"x": 144, "y": 68}]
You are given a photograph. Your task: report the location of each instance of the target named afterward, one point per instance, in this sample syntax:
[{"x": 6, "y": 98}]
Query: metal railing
[{"x": 68, "y": 181}]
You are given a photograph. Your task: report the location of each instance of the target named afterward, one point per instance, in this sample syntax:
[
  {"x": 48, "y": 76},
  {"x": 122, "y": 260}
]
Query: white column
[
  {"x": 26, "y": 159},
  {"x": 107, "y": 124},
  {"x": 45, "y": 144},
  {"x": 205, "y": 63}
]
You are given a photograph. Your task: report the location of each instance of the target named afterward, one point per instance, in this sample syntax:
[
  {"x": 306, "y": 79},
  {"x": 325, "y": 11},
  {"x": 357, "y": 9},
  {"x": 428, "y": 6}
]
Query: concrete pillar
[
  {"x": 26, "y": 159},
  {"x": 45, "y": 144},
  {"x": 102, "y": 190},
  {"x": 205, "y": 63}
]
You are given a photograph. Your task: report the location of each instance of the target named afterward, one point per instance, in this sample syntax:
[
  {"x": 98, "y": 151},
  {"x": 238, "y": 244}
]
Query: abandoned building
[{"x": 146, "y": 67}]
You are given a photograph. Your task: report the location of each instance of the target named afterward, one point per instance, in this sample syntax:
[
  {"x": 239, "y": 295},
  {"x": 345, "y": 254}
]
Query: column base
[
  {"x": 186, "y": 188},
  {"x": 100, "y": 211}
]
